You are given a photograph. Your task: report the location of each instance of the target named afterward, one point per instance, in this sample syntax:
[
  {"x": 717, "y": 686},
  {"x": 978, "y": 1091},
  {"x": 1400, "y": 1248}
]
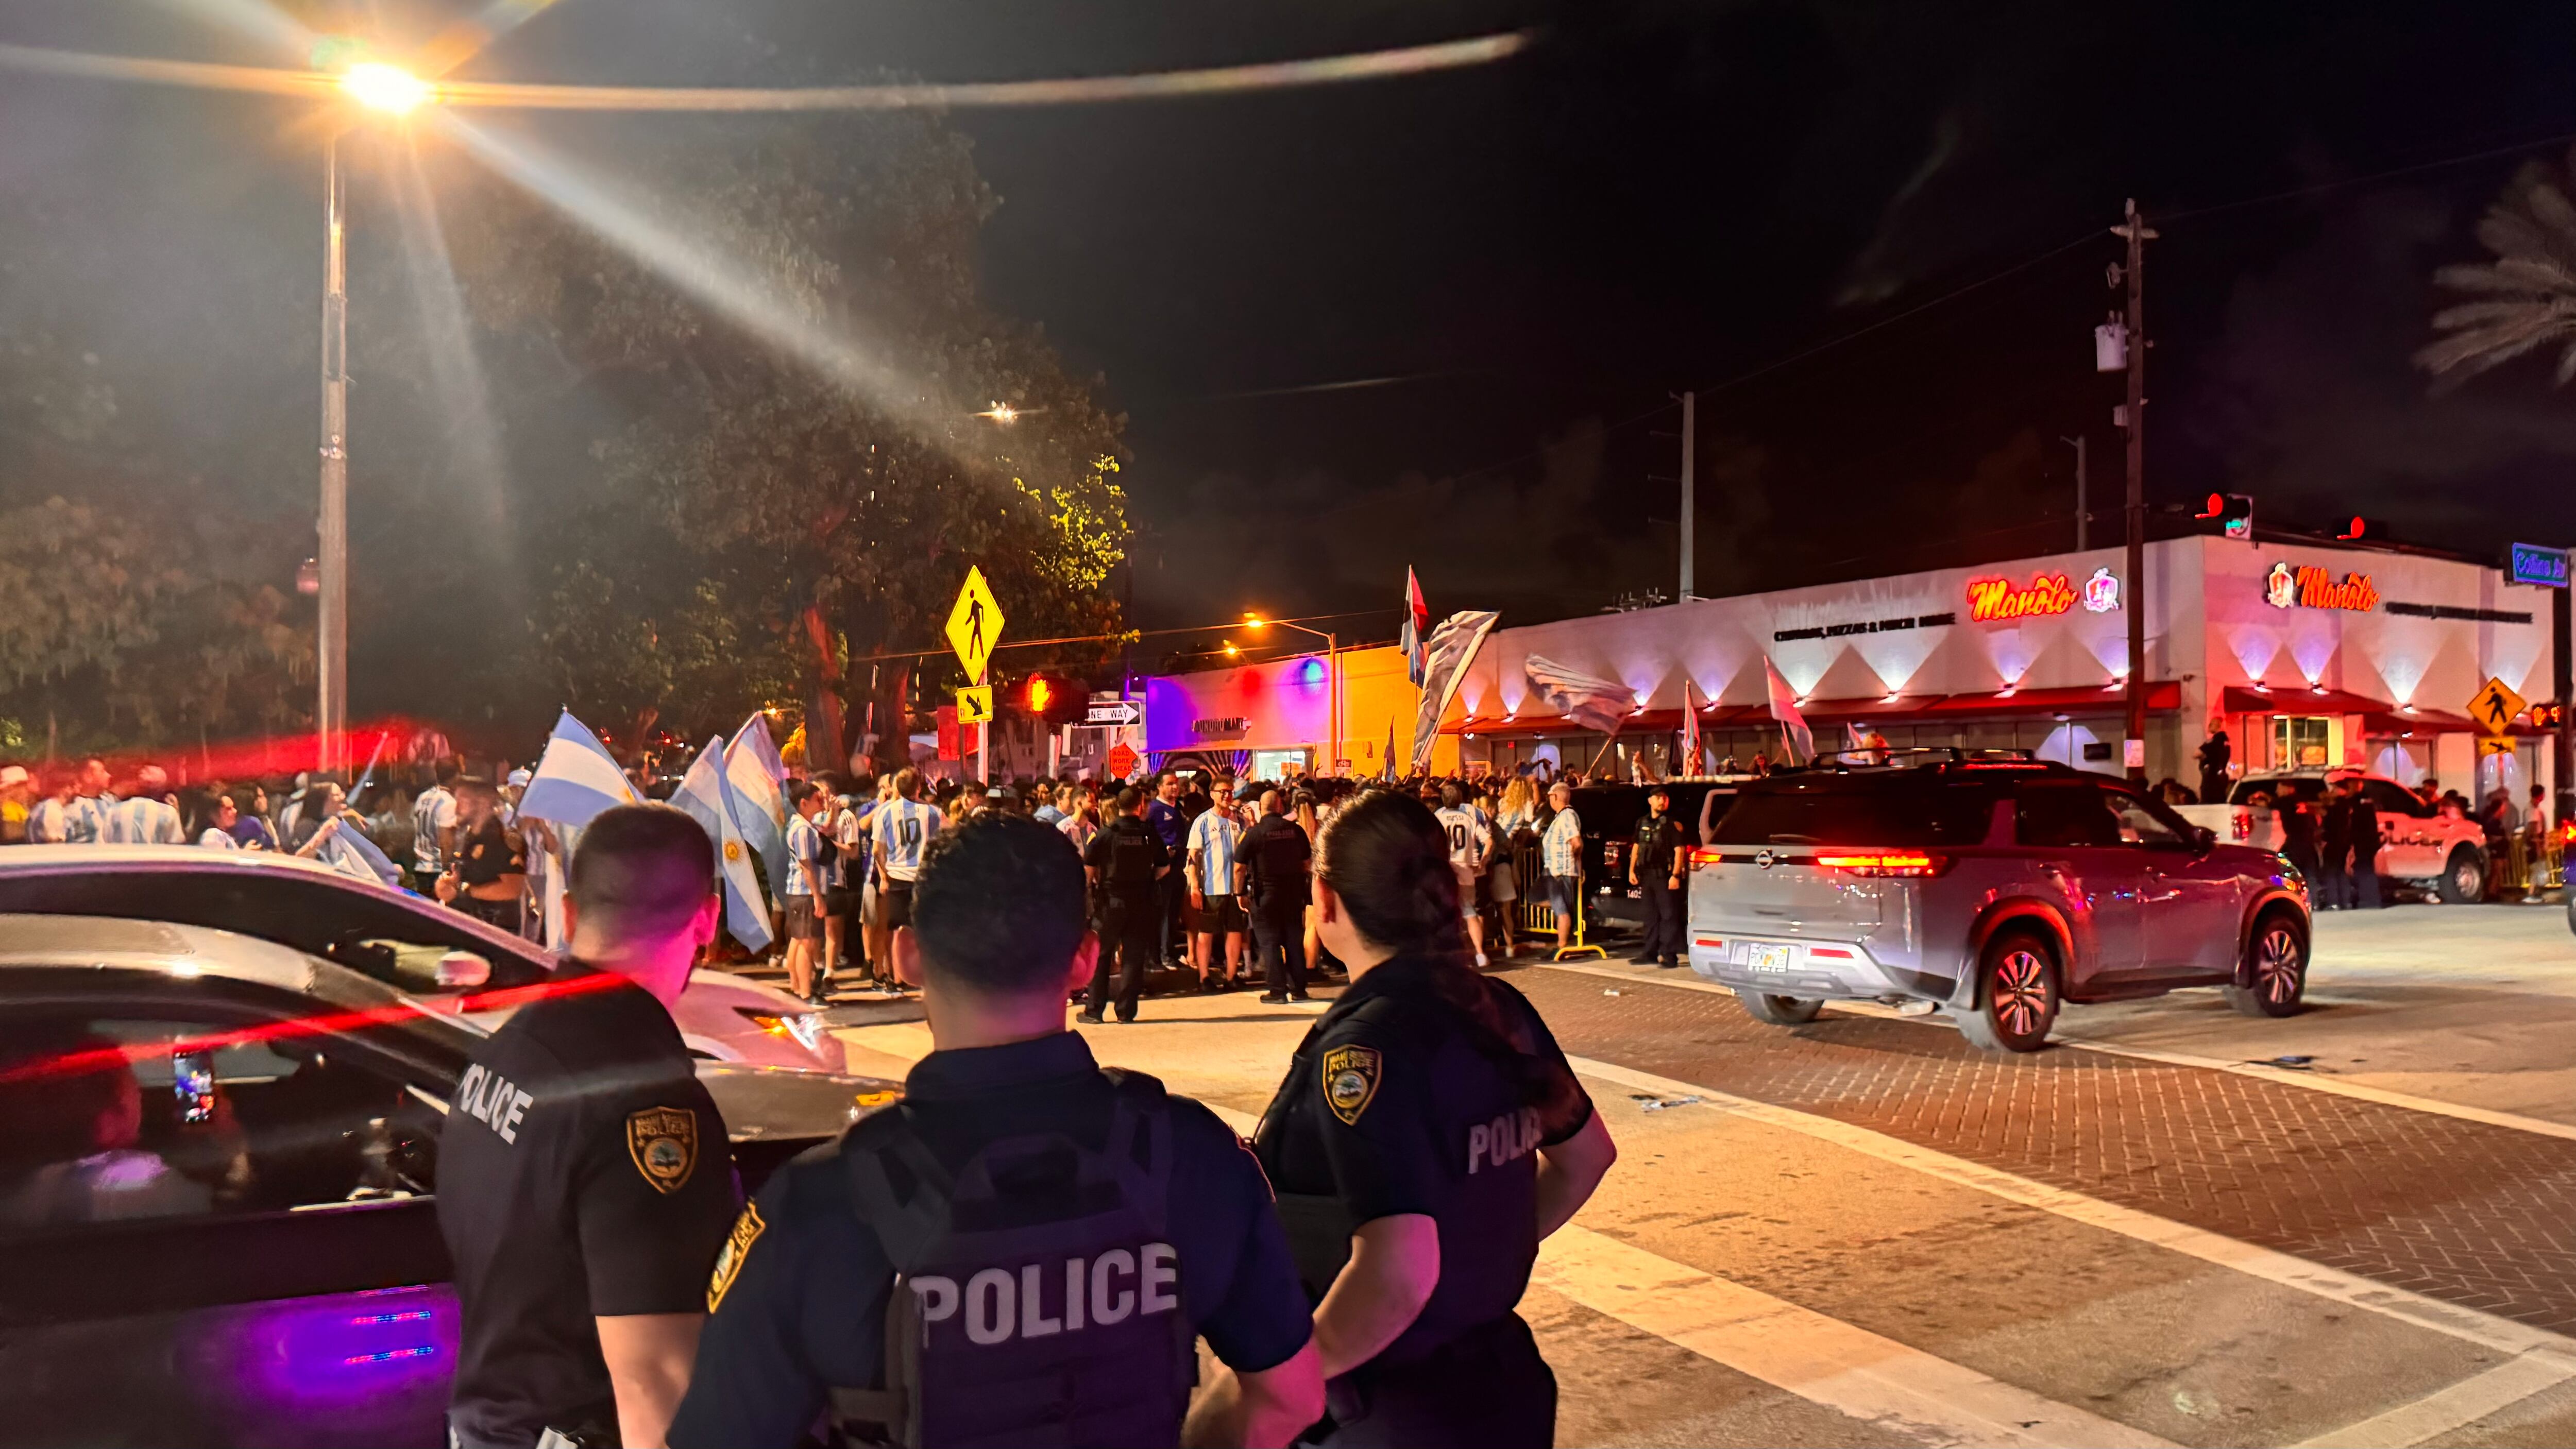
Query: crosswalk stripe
[
  {"x": 2463, "y": 1403},
  {"x": 1820, "y": 1359}
]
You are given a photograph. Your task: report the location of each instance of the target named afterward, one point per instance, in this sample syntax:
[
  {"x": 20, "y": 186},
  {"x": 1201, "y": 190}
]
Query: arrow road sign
[
  {"x": 975, "y": 705},
  {"x": 2494, "y": 706},
  {"x": 1115, "y": 712}
]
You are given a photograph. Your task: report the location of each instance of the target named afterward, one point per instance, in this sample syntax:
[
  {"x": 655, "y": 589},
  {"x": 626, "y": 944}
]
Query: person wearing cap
[
  {"x": 1655, "y": 860},
  {"x": 17, "y": 800}
]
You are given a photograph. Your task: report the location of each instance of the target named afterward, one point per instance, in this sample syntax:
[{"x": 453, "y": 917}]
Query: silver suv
[{"x": 1996, "y": 889}]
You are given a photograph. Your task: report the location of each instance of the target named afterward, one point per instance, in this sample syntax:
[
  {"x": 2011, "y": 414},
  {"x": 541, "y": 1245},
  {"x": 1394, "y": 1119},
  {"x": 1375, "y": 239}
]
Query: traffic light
[
  {"x": 1055, "y": 698},
  {"x": 2358, "y": 529},
  {"x": 2548, "y": 716},
  {"x": 2233, "y": 510}
]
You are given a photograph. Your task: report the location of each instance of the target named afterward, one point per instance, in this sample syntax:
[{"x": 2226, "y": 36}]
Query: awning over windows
[{"x": 2163, "y": 697}]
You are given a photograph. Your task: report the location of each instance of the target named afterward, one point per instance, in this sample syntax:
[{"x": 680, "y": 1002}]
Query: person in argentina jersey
[
  {"x": 897, "y": 835},
  {"x": 1214, "y": 909}
]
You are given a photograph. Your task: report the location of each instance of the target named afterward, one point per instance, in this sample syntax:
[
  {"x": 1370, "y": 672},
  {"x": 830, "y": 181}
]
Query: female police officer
[{"x": 1428, "y": 1135}]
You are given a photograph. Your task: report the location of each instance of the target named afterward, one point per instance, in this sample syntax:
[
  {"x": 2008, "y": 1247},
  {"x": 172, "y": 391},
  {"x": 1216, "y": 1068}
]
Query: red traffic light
[
  {"x": 2357, "y": 529},
  {"x": 2216, "y": 507}
]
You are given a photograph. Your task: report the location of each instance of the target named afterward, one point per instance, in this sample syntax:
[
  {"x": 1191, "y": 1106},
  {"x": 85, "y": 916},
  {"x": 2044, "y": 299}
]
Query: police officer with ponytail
[
  {"x": 1428, "y": 1135},
  {"x": 1026, "y": 1247}
]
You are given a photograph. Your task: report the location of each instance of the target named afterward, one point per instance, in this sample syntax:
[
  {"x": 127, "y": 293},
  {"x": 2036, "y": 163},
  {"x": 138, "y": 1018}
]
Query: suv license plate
[{"x": 1770, "y": 958}]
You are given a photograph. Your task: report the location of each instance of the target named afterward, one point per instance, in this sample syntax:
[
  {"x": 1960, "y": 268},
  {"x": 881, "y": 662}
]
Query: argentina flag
[
  {"x": 708, "y": 797},
  {"x": 576, "y": 779},
  {"x": 353, "y": 854},
  {"x": 759, "y": 809}
]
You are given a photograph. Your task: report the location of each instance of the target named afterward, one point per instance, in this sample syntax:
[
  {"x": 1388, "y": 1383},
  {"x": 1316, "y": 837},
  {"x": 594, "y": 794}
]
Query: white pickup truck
[{"x": 2419, "y": 844}]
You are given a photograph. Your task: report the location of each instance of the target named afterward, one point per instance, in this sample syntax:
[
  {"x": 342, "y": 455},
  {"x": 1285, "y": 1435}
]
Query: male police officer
[
  {"x": 584, "y": 1179},
  {"x": 1273, "y": 858},
  {"x": 1023, "y": 1250},
  {"x": 1128, "y": 865},
  {"x": 1655, "y": 859}
]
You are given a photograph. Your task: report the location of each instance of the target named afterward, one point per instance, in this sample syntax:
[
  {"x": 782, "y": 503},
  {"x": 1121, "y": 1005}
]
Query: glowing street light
[
  {"x": 1333, "y": 654},
  {"x": 1001, "y": 412},
  {"x": 382, "y": 87}
]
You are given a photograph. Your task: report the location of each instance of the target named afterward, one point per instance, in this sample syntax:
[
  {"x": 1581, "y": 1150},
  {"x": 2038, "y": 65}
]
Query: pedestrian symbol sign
[
  {"x": 2494, "y": 707},
  {"x": 975, "y": 706},
  {"x": 974, "y": 626}
]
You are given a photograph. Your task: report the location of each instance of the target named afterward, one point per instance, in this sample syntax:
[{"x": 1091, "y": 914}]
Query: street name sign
[
  {"x": 974, "y": 625},
  {"x": 2532, "y": 564}
]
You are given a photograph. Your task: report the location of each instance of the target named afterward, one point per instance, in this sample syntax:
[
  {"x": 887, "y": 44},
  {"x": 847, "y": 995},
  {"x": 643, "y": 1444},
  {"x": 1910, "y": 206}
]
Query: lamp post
[
  {"x": 391, "y": 91},
  {"x": 1332, "y": 676}
]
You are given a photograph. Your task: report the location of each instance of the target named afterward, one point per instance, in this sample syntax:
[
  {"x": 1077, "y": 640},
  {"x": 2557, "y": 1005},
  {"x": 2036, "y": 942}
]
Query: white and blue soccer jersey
[
  {"x": 1213, "y": 837},
  {"x": 61, "y": 822},
  {"x": 898, "y": 832},
  {"x": 144, "y": 821},
  {"x": 804, "y": 857}
]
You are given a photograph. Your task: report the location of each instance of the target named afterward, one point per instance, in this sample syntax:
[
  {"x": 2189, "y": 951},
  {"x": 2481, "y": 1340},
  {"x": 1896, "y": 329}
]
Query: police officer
[
  {"x": 1655, "y": 857},
  {"x": 1038, "y": 1240},
  {"x": 487, "y": 875},
  {"x": 1127, "y": 865},
  {"x": 1273, "y": 857},
  {"x": 1427, "y": 1136},
  {"x": 585, "y": 1184}
]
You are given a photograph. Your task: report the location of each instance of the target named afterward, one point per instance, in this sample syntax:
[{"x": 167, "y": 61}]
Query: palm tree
[{"x": 2526, "y": 296}]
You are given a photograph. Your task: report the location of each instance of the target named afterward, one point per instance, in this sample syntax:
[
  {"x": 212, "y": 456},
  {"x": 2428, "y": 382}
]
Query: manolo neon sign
[
  {"x": 2306, "y": 585},
  {"x": 1992, "y": 599}
]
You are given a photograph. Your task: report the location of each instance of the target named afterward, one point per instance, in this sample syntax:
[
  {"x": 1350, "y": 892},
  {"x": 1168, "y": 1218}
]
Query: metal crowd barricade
[
  {"x": 2534, "y": 863},
  {"x": 1537, "y": 916}
]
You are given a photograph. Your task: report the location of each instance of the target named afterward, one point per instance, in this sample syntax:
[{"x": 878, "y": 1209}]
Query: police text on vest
[{"x": 1001, "y": 1304}]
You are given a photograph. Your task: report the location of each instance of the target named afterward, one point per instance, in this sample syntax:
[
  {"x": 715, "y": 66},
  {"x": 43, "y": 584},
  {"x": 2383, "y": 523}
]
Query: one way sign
[
  {"x": 1114, "y": 712},
  {"x": 2494, "y": 707}
]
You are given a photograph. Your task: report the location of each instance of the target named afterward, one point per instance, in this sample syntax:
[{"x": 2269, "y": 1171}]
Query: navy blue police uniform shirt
[
  {"x": 1393, "y": 1109},
  {"x": 799, "y": 1294},
  {"x": 583, "y": 1172}
]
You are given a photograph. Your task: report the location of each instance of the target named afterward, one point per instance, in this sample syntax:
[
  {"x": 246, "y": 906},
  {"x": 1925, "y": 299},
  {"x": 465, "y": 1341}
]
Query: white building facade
[{"x": 2306, "y": 654}]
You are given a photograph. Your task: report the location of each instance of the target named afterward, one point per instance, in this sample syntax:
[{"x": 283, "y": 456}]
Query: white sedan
[{"x": 392, "y": 935}]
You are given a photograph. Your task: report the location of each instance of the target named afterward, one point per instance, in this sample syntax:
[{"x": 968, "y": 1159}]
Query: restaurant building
[
  {"x": 1289, "y": 716},
  {"x": 2307, "y": 654}
]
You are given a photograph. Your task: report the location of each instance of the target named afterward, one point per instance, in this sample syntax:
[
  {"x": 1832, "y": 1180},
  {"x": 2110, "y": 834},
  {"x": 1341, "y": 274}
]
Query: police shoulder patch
[
  {"x": 729, "y": 1259},
  {"x": 664, "y": 1143},
  {"x": 1350, "y": 1081}
]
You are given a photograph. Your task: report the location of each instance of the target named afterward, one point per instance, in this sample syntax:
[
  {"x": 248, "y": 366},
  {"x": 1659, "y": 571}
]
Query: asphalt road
[{"x": 1864, "y": 1232}]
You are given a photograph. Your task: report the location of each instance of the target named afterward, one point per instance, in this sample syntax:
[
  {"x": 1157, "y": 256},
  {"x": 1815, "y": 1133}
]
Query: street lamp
[
  {"x": 1332, "y": 662},
  {"x": 388, "y": 90}
]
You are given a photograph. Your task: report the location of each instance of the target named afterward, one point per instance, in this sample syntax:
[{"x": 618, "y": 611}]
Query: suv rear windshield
[{"x": 1865, "y": 810}]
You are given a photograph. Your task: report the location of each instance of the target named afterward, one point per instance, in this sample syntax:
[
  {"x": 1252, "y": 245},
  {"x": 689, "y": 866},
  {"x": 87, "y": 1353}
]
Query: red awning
[
  {"x": 2163, "y": 697},
  {"x": 2300, "y": 699}
]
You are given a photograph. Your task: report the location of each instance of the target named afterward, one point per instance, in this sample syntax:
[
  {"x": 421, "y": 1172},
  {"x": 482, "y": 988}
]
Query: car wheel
[
  {"x": 2017, "y": 994},
  {"x": 2464, "y": 878},
  {"x": 1778, "y": 1010},
  {"x": 2276, "y": 960}
]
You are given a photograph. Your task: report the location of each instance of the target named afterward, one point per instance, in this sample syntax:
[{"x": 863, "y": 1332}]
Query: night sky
[{"x": 1662, "y": 196}]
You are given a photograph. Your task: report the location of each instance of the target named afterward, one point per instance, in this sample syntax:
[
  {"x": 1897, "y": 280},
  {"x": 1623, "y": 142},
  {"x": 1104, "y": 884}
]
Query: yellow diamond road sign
[
  {"x": 975, "y": 706},
  {"x": 2495, "y": 706},
  {"x": 974, "y": 625}
]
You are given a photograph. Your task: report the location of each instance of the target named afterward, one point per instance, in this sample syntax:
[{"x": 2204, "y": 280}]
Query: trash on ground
[{"x": 1657, "y": 1104}]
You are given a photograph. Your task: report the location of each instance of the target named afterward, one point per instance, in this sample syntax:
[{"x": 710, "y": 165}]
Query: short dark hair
[
  {"x": 999, "y": 904},
  {"x": 1129, "y": 799},
  {"x": 446, "y": 772},
  {"x": 799, "y": 791},
  {"x": 641, "y": 871}
]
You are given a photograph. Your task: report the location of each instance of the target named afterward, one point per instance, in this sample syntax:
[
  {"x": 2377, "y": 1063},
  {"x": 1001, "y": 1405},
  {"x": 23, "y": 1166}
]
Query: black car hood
[{"x": 781, "y": 1104}]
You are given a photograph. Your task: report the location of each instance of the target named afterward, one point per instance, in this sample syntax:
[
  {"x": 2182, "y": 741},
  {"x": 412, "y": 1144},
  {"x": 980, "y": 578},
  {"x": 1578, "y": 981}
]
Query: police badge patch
[
  {"x": 664, "y": 1143},
  {"x": 1350, "y": 1080},
  {"x": 746, "y": 1231}
]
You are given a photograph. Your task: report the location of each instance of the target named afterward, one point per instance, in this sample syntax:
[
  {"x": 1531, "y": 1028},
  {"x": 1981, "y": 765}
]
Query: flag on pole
[
  {"x": 707, "y": 795},
  {"x": 576, "y": 778},
  {"x": 1587, "y": 699},
  {"x": 1784, "y": 708},
  {"x": 751, "y": 766},
  {"x": 1690, "y": 731},
  {"x": 1453, "y": 647},
  {"x": 1417, "y": 624},
  {"x": 1386, "y": 767}
]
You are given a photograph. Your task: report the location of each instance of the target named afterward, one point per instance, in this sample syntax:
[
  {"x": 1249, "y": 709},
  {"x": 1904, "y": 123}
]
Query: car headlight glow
[{"x": 805, "y": 1028}]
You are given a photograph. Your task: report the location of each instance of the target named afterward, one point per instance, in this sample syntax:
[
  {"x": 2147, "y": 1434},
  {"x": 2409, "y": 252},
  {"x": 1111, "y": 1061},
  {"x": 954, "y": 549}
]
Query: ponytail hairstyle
[{"x": 1387, "y": 858}]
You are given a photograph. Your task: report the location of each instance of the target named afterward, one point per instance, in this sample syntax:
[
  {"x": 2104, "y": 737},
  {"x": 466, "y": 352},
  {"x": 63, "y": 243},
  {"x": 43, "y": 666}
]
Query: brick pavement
[{"x": 2460, "y": 1211}]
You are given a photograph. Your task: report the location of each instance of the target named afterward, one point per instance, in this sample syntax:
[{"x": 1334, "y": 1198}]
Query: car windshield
[{"x": 1842, "y": 810}]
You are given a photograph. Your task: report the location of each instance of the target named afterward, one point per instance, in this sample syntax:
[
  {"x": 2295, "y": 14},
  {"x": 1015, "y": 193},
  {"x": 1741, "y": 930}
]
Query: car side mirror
[
  {"x": 2203, "y": 838},
  {"x": 460, "y": 969}
]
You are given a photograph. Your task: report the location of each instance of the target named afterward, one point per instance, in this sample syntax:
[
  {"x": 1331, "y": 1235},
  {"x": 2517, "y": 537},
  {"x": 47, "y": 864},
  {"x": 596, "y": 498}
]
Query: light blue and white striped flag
[
  {"x": 708, "y": 797},
  {"x": 351, "y": 853},
  {"x": 576, "y": 779},
  {"x": 752, "y": 767}
]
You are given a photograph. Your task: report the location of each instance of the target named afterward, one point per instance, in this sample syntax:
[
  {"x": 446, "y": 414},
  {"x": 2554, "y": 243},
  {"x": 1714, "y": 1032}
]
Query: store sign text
[
  {"x": 1866, "y": 626},
  {"x": 1990, "y": 600},
  {"x": 2309, "y": 586}
]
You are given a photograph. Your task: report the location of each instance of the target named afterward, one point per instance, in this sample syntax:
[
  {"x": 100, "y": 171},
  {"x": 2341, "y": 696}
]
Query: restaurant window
[{"x": 2300, "y": 741}]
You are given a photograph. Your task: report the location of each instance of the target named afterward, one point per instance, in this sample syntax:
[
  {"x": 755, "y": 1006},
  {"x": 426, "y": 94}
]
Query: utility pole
[
  {"x": 331, "y": 632},
  {"x": 1690, "y": 440},
  {"x": 2081, "y": 518},
  {"x": 2134, "y": 229}
]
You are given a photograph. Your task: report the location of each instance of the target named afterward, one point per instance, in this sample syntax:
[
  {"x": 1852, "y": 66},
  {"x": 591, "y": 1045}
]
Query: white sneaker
[{"x": 1480, "y": 960}]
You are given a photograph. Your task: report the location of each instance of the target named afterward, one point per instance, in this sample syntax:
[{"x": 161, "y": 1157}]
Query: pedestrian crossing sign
[
  {"x": 975, "y": 706},
  {"x": 2494, "y": 707},
  {"x": 974, "y": 626}
]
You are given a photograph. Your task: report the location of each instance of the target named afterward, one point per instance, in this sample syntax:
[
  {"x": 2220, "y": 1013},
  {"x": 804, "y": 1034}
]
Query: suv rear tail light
[
  {"x": 2240, "y": 823},
  {"x": 1908, "y": 864}
]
